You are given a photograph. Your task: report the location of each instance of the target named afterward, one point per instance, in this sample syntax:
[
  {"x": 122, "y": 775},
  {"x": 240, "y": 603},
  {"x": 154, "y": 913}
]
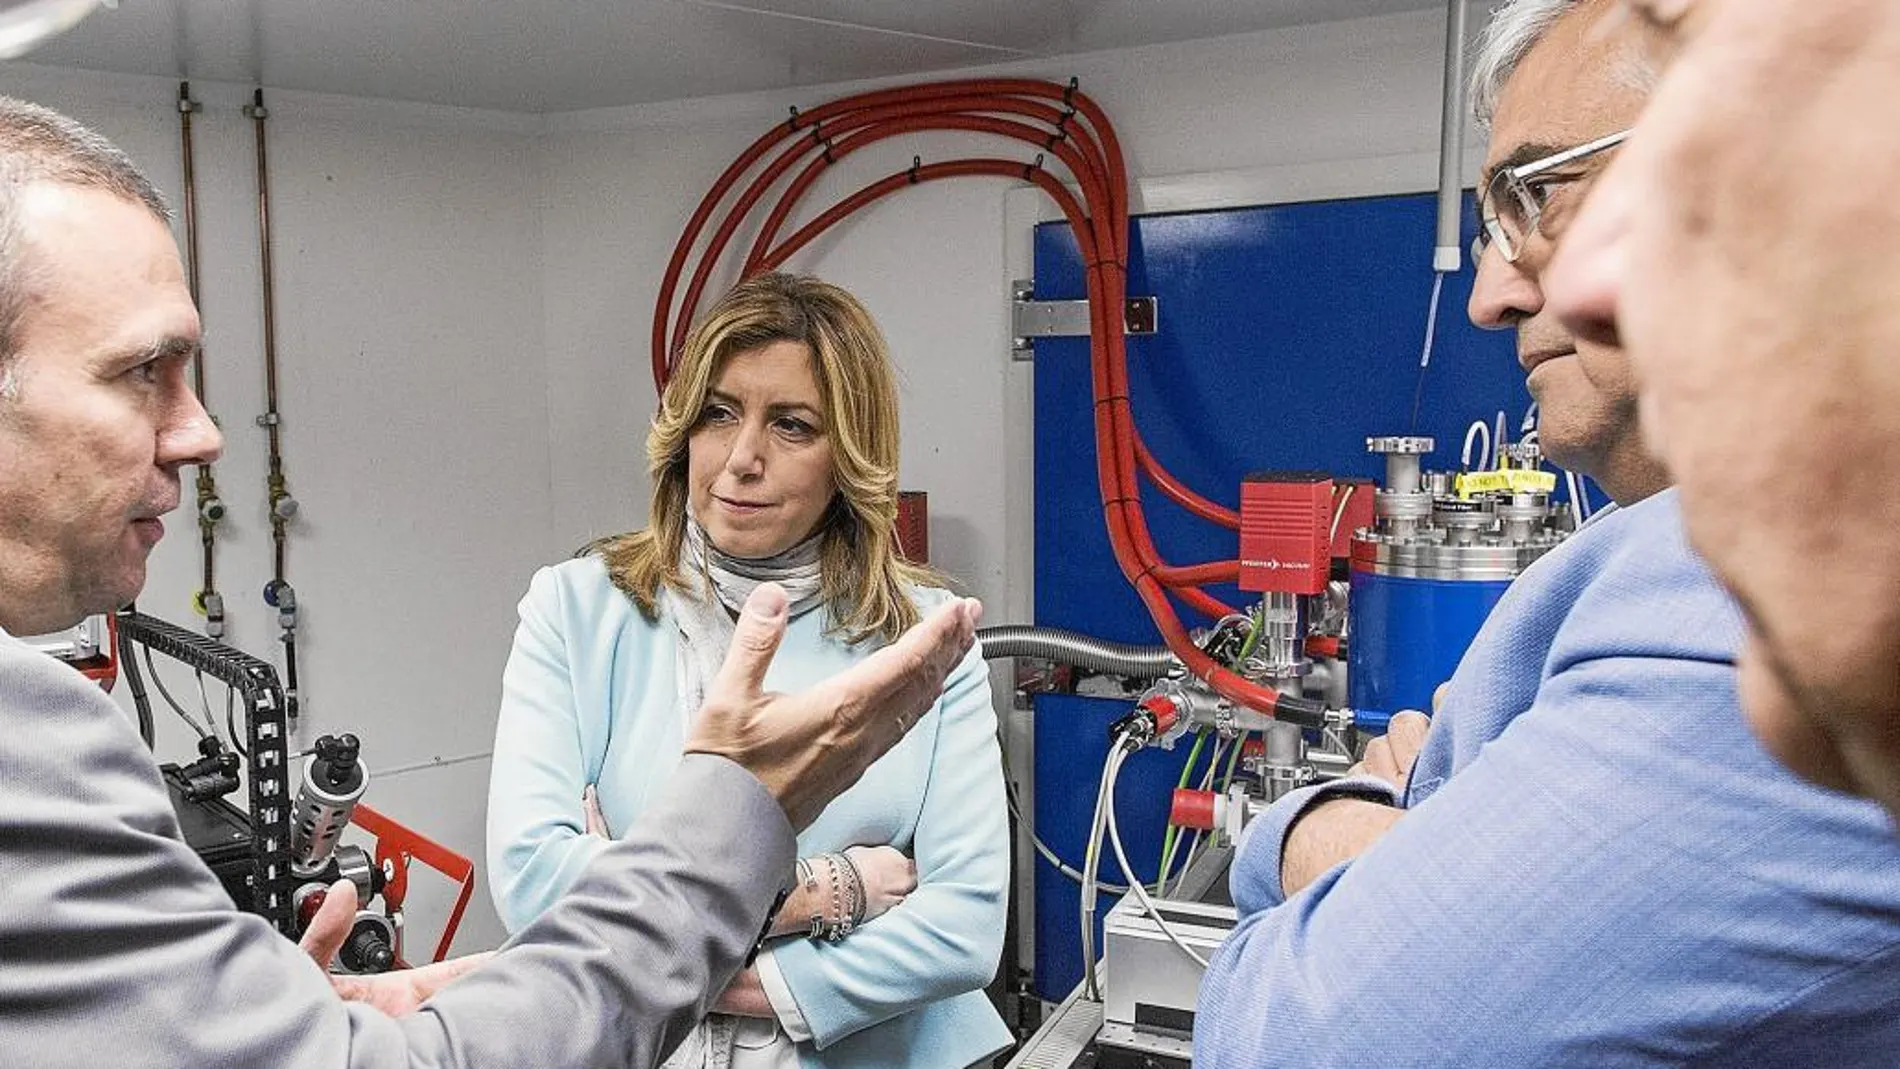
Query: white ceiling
[{"x": 540, "y": 56}]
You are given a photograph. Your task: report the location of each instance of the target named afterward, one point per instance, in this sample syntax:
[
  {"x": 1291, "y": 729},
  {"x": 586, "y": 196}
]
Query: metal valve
[
  {"x": 210, "y": 605},
  {"x": 281, "y": 596}
]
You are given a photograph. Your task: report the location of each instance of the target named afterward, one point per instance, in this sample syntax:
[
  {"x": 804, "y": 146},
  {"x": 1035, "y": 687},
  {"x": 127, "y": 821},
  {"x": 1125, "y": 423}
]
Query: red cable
[
  {"x": 1179, "y": 493},
  {"x": 834, "y": 151},
  {"x": 1223, "y": 571},
  {"x": 817, "y": 117},
  {"x": 1084, "y": 145}
]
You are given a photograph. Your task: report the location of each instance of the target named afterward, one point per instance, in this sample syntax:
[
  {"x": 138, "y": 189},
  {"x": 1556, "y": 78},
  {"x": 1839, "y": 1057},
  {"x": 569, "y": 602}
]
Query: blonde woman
[{"x": 773, "y": 457}]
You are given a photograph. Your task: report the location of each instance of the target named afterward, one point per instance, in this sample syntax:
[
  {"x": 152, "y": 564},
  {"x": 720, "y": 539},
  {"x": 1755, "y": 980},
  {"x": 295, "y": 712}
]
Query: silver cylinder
[
  {"x": 1283, "y": 766},
  {"x": 1281, "y": 651},
  {"x": 321, "y": 814},
  {"x": 355, "y": 865},
  {"x": 1402, "y": 453},
  {"x": 1404, "y": 504}
]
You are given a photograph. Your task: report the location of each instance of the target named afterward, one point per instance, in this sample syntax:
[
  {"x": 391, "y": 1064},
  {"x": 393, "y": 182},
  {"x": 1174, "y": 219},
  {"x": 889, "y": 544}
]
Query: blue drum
[{"x": 1407, "y": 636}]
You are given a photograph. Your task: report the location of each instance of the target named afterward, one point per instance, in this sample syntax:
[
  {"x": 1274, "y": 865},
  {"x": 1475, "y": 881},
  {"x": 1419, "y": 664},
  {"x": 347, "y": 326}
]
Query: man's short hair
[
  {"x": 41, "y": 145},
  {"x": 1515, "y": 28}
]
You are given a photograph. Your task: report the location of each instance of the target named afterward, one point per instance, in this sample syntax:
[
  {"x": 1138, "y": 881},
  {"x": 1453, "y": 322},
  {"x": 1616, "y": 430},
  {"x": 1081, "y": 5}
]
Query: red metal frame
[
  {"x": 104, "y": 669},
  {"x": 396, "y": 847}
]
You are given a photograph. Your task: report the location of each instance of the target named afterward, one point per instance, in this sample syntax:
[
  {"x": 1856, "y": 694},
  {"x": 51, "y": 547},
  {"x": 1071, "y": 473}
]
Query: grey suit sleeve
[{"x": 117, "y": 945}]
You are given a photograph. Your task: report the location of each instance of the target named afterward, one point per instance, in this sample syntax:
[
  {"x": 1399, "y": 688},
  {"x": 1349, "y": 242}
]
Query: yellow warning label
[{"x": 1517, "y": 480}]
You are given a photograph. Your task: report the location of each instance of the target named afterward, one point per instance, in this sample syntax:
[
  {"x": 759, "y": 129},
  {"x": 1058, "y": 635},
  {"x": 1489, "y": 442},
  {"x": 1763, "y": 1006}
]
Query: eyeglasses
[{"x": 1513, "y": 201}]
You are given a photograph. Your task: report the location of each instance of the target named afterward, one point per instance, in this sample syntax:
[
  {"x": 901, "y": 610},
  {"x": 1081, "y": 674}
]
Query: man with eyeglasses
[
  {"x": 1590, "y": 862},
  {"x": 1746, "y": 253}
]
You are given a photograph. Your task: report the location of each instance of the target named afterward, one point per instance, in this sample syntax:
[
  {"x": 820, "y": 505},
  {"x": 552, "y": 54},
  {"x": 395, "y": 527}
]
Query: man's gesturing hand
[
  {"x": 808, "y": 747},
  {"x": 394, "y": 993}
]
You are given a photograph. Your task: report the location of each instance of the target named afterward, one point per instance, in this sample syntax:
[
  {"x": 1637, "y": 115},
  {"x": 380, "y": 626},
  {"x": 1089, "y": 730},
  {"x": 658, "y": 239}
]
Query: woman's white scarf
[
  {"x": 723, "y": 582},
  {"x": 705, "y": 619}
]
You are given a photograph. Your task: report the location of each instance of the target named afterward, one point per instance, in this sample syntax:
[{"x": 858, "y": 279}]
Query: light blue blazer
[{"x": 589, "y": 695}]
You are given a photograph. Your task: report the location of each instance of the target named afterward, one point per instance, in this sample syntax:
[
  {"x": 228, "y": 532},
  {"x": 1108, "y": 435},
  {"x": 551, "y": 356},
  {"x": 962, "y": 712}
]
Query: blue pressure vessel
[
  {"x": 1407, "y": 636},
  {"x": 1427, "y": 573}
]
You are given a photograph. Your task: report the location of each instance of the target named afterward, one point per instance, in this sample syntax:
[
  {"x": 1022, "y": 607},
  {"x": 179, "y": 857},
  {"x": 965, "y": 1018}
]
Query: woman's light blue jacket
[{"x": 589, "y": 696}]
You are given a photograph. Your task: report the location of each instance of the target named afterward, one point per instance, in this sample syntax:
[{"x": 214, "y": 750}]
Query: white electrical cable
[
  {"x": 1043, "y": 849},
  {"x": 152, "y": 670},
  {"x": 1579, "y": 497},
  {"x": 1431, "y": 319},
  {"x": 1339, "y": 512},
  {"x": 1115, "y": 759},
  {"x": 204, "y": 703},
  {"x": 1194, "y": 846},
  {"x": 1479, "y": 431},
  {"x": 1425, "y": 354},
  {"x": 1091, "y": 865}
]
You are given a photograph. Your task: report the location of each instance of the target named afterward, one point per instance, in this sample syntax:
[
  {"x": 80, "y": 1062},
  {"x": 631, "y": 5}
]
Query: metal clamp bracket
[{"x": 1031, "y": 319}]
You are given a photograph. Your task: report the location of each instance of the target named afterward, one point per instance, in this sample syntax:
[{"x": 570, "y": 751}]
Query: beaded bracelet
[
  {"x": 843, "y": 898},
  {"x": 860, "y": 901}
]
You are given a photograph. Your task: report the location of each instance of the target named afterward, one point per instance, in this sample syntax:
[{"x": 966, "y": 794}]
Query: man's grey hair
[
  {"x": 1515, "y": 28},
  {"x": 41, "y": 145}
]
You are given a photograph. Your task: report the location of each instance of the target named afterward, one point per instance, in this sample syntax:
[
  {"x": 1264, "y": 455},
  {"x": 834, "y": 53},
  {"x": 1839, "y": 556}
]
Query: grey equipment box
[{"x": 1149, "y": 996}]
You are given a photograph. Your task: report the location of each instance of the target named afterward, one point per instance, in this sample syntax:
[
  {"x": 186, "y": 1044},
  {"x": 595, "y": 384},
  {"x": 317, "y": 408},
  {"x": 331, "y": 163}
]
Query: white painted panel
[{"x": 408, "y": 254}]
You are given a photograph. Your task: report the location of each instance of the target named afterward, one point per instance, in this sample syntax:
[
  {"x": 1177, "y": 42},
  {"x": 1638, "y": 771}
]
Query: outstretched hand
[{"x": 807, "y": 748}]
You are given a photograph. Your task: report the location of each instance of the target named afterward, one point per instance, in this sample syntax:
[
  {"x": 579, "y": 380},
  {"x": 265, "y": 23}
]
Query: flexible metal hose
[{"x": 1077, "y": 649}]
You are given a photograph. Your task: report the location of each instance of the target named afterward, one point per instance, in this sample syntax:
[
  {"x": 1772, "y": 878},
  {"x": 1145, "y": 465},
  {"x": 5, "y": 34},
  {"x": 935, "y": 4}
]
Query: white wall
[
  {"x": 464, "y": 305},
  {"x": 407, "y": 254}
]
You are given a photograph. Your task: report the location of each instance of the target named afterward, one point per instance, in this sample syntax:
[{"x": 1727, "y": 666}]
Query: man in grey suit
[{"x": 116, "y": 943}]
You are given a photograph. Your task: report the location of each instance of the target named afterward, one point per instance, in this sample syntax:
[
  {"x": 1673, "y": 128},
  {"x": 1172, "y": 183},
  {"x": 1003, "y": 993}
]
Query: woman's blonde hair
[{"x": 864, "y": 582}]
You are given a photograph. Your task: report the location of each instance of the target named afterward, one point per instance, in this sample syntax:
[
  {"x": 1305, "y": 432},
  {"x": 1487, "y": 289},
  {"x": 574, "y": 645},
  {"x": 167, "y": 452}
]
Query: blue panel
[
  {"x": 1071, "y": 747},
  {"x": 1287, "y": 336},
  {"x": 1407, "y": 637}
]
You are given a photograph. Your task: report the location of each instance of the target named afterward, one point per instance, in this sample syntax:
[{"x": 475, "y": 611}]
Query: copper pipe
[
  {"x": 186, "y": 106},
  {"x": 210, "y": 509},
  {"x": 258, "y": 115},
  {"x": 278, "y": 592}
]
